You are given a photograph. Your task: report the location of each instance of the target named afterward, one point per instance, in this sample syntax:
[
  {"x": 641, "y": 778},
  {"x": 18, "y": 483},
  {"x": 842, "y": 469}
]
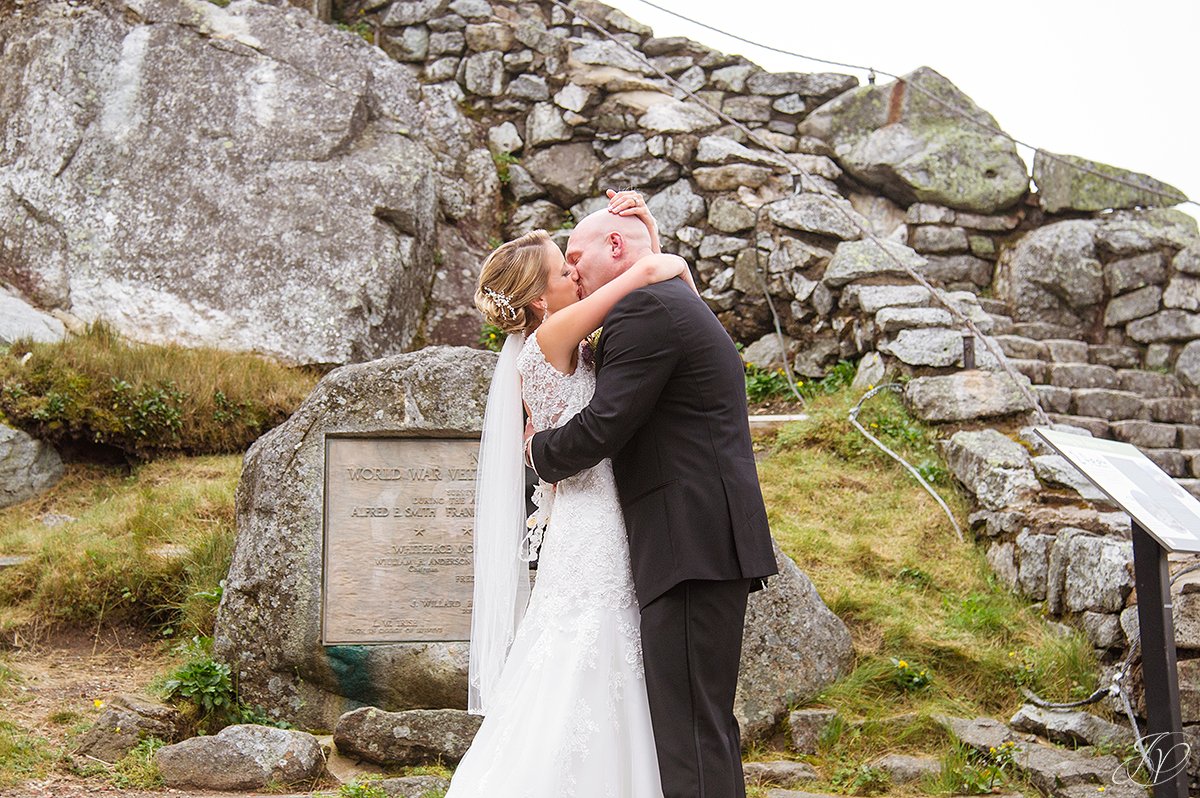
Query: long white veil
[{"x": 501, "y": 577}]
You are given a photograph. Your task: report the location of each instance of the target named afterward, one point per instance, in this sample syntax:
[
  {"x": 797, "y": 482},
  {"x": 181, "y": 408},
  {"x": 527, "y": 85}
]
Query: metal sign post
[
  {"x": 1164, "y": 726},
  {"x": 1165, "y": 518}
]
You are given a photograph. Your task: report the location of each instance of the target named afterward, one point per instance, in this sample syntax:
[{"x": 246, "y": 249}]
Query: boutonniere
[{"x": 589, "y": 347}]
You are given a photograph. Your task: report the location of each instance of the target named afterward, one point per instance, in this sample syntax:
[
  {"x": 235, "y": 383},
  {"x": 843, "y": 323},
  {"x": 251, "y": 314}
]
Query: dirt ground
[{"x": 70, "y": 672}]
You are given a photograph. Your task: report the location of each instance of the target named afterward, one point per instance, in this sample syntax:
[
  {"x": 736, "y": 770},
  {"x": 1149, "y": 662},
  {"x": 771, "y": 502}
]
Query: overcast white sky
[{"x": 1110, "y": 80}]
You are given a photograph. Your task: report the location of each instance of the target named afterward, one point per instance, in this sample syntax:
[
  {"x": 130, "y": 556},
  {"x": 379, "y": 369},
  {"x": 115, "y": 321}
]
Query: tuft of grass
[
  {"x": 138, "y": 770},
  {"x": 23, "y": 756},
  {"x": 151, "y": 546},
  {"x": 142, "y": 400},
  {"x": 933, "y": 631}
]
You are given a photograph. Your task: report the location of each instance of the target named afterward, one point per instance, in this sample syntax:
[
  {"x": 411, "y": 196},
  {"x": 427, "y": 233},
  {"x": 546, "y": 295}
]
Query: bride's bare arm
[{"x": 559, "y": 335}]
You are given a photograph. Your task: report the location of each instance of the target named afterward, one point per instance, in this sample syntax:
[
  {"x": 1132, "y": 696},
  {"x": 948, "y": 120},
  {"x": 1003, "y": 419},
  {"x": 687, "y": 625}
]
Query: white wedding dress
[{"x": 570, "y": 717}]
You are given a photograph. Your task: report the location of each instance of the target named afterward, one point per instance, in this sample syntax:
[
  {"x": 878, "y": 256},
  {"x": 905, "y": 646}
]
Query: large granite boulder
[
  {"x": 269, "y": 622},
  {"x": 243, "y": 757},
  {"x": 1054, "y": 275},
  {"x": 901, "y": 138},
  {"x": 27, "y": 466},
  {"x": 1071, "y": 183},
  {"x": 792, "y": 648},
  {"x": 290, "y": 207}
]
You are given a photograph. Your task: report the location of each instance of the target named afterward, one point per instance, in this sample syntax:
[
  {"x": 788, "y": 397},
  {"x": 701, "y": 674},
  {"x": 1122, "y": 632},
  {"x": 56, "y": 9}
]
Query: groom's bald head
[{"x": 603, "y": 246}]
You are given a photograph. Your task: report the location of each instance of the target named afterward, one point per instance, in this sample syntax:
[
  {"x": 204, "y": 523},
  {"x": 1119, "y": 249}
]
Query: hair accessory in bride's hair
[{"x": 501, "y": 302}]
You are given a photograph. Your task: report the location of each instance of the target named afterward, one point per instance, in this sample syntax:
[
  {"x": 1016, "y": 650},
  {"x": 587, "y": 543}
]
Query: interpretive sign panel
[
  {"x": 1132, "y": 480},
  {"x": 399, "y": 517}
]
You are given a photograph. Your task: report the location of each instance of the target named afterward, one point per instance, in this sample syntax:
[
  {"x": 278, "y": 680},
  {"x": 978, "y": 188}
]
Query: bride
[{"x": 561, "y": 688}]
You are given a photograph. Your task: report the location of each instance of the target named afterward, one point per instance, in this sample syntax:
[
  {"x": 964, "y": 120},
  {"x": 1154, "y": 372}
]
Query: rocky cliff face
[{"x": 244, "y": 177}]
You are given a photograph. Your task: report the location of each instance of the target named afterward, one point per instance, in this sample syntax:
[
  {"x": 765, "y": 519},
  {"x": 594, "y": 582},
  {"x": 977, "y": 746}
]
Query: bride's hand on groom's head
[{"x": 625, "y": 203}]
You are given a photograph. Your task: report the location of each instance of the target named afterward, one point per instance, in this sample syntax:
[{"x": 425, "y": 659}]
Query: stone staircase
[{"x": 1107, "y": 390}]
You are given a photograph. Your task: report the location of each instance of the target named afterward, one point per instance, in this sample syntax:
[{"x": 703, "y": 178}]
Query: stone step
[
  {"x": 1150, "y": 383},
  {"x": 1175, "y": 410},
  {"x": 1192, "y": 456},
  {"x": 1081, "y": 375},
  {"x": 1145, "y": 434},
  {"x": 1097, "y": 426},
  {"x": 1063, "y": 350},
  {"x": 1108, "y": 404},
  {"x": 1000, "y": 325},
  {"x": 1053, "y": 399},
  {"x": 1018, "y": 346},
  {"x": 996, "y": 307},
  {"x": 1170, "y": 460},
  {"x": 1117, "y": 357},
  {"x": 1035, "y": 370},
  {"x": 1041, "y": 330}
]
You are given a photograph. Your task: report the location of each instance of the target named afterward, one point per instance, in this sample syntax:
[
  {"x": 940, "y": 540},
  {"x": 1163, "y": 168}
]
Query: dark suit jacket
[{"x": 670, "y": 410}]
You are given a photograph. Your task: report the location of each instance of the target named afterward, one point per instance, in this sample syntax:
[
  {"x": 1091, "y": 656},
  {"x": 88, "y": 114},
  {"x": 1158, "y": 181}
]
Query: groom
[{"x": 670, "y": 410}]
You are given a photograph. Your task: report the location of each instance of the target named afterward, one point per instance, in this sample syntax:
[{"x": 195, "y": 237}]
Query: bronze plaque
[{"x": 399, "y": 518}]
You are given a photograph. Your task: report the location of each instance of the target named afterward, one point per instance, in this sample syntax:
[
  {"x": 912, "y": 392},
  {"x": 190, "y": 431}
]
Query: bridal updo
[{"x": 512, "y": 277}]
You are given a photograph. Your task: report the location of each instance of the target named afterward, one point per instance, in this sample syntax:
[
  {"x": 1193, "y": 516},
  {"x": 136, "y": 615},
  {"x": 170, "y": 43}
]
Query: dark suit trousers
[{"x": 691, "y": 645}]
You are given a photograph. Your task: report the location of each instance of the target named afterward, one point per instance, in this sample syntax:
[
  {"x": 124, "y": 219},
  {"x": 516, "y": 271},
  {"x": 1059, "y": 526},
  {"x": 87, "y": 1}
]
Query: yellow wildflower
[
  {"x": 97, "y": 703},
  {"x": 901, "y": 664}
]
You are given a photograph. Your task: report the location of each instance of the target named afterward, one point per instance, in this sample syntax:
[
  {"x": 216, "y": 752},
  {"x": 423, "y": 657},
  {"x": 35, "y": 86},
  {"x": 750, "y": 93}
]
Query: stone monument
[{"x": 427, "y": 408}]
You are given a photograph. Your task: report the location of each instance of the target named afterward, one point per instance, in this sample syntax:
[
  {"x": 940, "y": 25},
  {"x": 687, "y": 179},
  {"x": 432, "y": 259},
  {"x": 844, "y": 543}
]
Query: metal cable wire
[
  {"x": 833, "y": 199},
  {"x": 1178, "y": 197},
  {"x": 895, "y": 387}
]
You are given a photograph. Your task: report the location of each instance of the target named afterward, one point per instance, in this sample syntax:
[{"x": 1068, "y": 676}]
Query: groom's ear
[{"x": 616, "y": 245}]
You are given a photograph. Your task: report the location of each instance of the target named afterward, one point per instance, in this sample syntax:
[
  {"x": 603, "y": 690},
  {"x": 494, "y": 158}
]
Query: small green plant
[
  {"x": 491, "y": 337},
  {"x": 361, "y": 788},
  {"x": 914, "y": 577},
  {"x": 494, "y": 242},
  {"x": 764, "y": 384},
  {"x": 909, "y": 676},
  {"x": 861, "y": 780},
  {"x": 968, "y": 772},
  {"x": 361, "y": 28},
  {"x": 206, "y": 683},
  {"x": 503, "y": 160}
]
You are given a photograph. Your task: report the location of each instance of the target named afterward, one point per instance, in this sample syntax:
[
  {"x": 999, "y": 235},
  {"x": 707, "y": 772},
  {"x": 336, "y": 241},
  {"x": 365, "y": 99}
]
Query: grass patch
[
  {"x": 138, "y": 770},
  {"x": 22, "y": 755},
  {"x": 145, "y": 401},
  {"x": 934, "y": 633},
  {"x": 151, "y": 545}
]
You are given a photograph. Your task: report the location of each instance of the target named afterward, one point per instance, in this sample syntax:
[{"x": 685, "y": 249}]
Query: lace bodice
[
  {"x": 586, "y": 556},
  {"x": 552, "y": 397}
]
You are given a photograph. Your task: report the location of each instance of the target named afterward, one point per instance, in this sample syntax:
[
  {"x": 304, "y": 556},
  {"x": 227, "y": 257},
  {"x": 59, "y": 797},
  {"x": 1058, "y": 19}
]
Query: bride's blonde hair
[{"x": 512, "y": 277}]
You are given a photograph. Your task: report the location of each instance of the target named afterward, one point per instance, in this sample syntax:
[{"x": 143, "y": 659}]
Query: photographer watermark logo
[{"x": 1165, "y": 757}]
